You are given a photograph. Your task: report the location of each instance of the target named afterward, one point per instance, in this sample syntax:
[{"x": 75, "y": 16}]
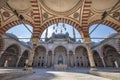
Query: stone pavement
[
  {"x": 10, "y": 73},
  {"x": 111, "y": 73},
  {"x": 50, "y": 74}
]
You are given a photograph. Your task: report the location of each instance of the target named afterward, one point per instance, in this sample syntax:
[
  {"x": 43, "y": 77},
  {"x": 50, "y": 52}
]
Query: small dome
[
  {"x": 12, "y": 36},
  {"x": 22, "y": 42},
  {"x": 26, "y": 44},
  {"x": 111, "y": 35}
]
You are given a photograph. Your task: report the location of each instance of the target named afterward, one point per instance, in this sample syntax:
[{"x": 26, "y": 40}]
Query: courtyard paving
[{"x": 71, "y": 74}]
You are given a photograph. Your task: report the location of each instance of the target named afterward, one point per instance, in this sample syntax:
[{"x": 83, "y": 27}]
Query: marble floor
[{"x": 71, "y": 74}]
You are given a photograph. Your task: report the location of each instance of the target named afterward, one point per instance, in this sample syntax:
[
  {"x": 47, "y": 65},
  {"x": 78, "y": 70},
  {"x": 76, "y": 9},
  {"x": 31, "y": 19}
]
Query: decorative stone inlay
[
  {"x": 6, "y": 14},
  {"x": 45, "y": 15},
  {"x": 116, "y": 14},
  {"x": 76, "y": 15},
  {"x": 32, "y": 13}
]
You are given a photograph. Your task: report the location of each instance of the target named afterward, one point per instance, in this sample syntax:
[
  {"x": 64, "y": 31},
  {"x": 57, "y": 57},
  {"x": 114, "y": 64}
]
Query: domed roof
[
  {"x": 22, "y": 42},
  {"x": 113, "y": 34},
  {"x": 25, "y": 44},
  {"x": 60, "y": 35},
  {"x": 12, "y": 36}
]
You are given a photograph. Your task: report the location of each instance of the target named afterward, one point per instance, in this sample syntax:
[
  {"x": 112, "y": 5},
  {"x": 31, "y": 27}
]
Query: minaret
[
  {"x": 74, "y": 34},
  {"x": 46, "y": 34}
]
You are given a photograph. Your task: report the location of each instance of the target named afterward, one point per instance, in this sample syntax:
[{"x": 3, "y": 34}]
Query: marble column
[
  {"x": 102, "y": 58},
  {"x": 18, "y": 61},
  {"x": 0, "y": 55},
  {"x": 2, "y": 52},
  {"x": 75, "y": 60},
  {"x": 52, "y": 58},
  {"x": 30, "y": 60},
  {"x": 91, "y": 59},
  {"x": 68, "y": 59},
  {"x": 90, "y": 54},
  {"x": 46, "y": 58}
]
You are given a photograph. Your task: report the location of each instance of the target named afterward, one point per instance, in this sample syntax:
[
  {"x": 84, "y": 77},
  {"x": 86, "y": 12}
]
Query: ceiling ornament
[
  {"x": 76, "y": 15},
  {"x": 116, "y": 14},
  {"x": 6, "y": 14},
  {"x": 45, "y": 15}
]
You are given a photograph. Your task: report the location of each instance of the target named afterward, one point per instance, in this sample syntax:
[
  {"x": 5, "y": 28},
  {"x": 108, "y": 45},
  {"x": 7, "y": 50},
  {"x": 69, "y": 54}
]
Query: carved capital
[{"x": 35, "y": 41}]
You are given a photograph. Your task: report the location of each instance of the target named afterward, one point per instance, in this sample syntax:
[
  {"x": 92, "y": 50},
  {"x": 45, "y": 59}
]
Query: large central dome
[{"x": 60, "y": 5}]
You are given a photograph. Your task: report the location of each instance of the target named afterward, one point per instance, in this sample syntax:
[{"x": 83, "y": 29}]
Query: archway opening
[
  {"x": 40, "y": 57},
  {"x": 100, "y": 33},
  {"x": 58, "y": 29},
  {"x": 23, "y": 58},
  {"x": 60, "y": 55},
  {"x": 81, "y": 57},
  {"x": 97, "y": 59},
  {"x": 21, "y": 32},
  {"x": 10, "y": 56},
  {"x": 111, "y": 56}
]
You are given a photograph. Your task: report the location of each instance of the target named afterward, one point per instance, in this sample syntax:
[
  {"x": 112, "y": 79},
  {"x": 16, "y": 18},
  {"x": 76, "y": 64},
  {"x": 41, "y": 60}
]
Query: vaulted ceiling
[{"x": 81, "y": 14}]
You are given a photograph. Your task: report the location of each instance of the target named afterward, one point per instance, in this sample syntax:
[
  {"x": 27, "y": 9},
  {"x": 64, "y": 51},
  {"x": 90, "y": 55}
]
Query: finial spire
[
  {"x": 46, "y": 34},
  {"x": 74, "y": 34}
]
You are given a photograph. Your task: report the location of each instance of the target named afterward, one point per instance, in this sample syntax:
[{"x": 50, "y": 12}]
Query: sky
[{"x": 102, "y": 31}]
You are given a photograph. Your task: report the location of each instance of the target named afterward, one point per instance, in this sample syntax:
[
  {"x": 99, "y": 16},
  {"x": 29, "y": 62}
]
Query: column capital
[
  {"x": 35, "y": 40},
  {"x": 87, "y": 40}
]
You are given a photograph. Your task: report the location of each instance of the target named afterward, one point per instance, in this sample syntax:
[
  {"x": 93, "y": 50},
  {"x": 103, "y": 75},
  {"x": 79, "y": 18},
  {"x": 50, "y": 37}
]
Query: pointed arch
[
  {"x": 110, "y": 55},
  {"x": 108, "y": 23},
  {"x": 59, "y": 20},
  {"x": 81, "y": 56},
  {"x": 97, "y": 59},
  {"x": 39, "y": 57},
  {"x": 11, "y": 54},
  {"x": 12, "y": 24},
  {"x": 24, "y": 57}
]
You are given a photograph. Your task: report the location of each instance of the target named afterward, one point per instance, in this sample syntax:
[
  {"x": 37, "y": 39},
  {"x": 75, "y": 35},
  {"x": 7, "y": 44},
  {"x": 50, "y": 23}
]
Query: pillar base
[
  {"x": 93, "y": 69},
  {"x": 27, "y": 69},
  {"x": 45, "y": 66}
]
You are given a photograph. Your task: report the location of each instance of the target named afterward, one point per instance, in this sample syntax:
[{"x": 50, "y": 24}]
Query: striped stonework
[
  {"x": 85, "y": 16},
  {"x": 63, "y": 20},
  {"x": 12, "y": 24},
  {"x": 36, "y": 15},
  {"x": 1, "y": 44},
  {"x": 118, "y": 46},
  {"x": 86, "y": 11}
]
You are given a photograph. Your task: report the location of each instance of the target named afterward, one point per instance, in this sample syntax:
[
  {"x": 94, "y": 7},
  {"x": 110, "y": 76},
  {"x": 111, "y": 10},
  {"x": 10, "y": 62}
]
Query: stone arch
[
  {"x": 60, "y": 53},
  {"x": 81, "y": 56},
  {"x": 110, "y": 55},
  {"x": 97, "y": 59},
  {"x": 24, "y": 57},
  {"x": 13, "y": 23},
  {"x": 10, "y": 55},
  {"x": 114, "y": 26},
  {"x": 39, "y": 57},
  {"x": 58, "y": 20}
]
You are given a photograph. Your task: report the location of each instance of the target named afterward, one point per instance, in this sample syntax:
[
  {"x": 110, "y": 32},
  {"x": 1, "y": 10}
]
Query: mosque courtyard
[{"x": 59, "y": 40}]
